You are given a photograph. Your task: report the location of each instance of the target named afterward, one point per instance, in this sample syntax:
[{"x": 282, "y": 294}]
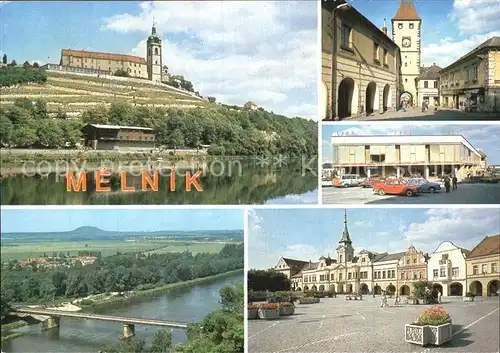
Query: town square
[{"x": 362, "y": 279}]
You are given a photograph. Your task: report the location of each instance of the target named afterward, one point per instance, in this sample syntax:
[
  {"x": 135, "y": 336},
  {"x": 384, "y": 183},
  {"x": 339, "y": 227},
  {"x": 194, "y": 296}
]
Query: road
[
  {"x": 417, "y": 114},
  {"x": 336, "y": 325},
  {"x": 465, "y": 194}
]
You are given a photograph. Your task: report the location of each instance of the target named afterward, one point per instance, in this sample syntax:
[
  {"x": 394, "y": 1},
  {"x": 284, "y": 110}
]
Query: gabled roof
[
  {"x": 488, "y": 246},
  {"x": 493, "y": 42},
  {"x": 429, "y": 73},
  {"x": 406, "y": 12},
  {"x": 310, "y": 266},
  {"x": 105, "y": 56},
  {"x": 294, "y": 263},
  {"x": 388, "y": 257}
]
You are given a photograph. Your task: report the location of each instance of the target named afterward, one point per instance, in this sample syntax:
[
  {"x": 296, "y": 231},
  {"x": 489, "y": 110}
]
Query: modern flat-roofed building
[
  {"x": 473, "y": 81},
  {"x": 405, "y": 155},
  {"x": 360, "y": 64},
  {"x": 113, "y": 137}
]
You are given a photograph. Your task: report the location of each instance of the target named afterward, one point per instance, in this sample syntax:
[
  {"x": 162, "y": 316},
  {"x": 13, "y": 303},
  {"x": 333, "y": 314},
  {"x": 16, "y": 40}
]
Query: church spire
[
  {"x": 345, "y": 233},
  {"x": 153, "y": 29}
]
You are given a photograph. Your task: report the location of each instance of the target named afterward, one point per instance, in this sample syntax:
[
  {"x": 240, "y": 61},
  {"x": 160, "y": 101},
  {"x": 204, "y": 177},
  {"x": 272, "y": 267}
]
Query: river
[
  {"x": 246, "y": 183},
  {"x": 188, "y": 304}
]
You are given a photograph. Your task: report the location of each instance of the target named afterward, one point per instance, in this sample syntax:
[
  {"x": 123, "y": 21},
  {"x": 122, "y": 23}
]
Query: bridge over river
[{"x": 52, "y": 319}]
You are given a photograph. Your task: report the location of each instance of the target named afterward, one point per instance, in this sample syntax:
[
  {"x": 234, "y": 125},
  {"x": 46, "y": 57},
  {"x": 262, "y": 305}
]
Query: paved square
[
  {"x": 465, "y": 194},
  {"x": 336, "y": 325}
]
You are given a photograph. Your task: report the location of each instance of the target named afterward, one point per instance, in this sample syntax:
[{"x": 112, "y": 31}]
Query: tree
[
  {"x": 13, "y": 63},
  {"x": 6, "y": 130},
  {"x": 4, "y": 59},
  {"x": 40, "y": 109},
  {"x": 35, "y": 65},
  {"x": 211, "y": 99},
  {"x": 25, "y": 134},
  {"x": 176, "y": 139},
  {"x": 49, "y": 133},
  {"x": 4, "y": 306},
  {"x": 122, "y": 73},
  {"x": 162, "y": 341},
  {"x": 26, "y": 64}
]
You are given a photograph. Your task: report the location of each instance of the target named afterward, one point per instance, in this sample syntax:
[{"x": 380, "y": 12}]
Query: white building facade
[
  {"x": 447, "y": 269},
  {"x": 405, "y": 155}
]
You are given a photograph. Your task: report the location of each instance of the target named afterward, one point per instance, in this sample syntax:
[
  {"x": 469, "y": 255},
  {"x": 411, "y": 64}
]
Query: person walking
[
  {"x": 439, "y": 296},
  {"x": 447, "y": 184},
  {"x": 454, "y": 182}
]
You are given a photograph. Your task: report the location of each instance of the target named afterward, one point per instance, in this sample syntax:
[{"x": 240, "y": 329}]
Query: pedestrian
[
  {"x": 454, "y": 182},
  {"x": 439, "y": 296},
  {"x": 423, "y": 106},
  {"x": 447, "y": 184},
  {"x": 397, "y": 301},
  {"x": 374, "y": 294}
]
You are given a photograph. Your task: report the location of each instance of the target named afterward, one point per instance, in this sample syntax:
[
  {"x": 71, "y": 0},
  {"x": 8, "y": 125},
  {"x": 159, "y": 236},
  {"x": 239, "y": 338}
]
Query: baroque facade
[
  {"x": 483, "y": 267},
  {"x": 109, "y": 63}
]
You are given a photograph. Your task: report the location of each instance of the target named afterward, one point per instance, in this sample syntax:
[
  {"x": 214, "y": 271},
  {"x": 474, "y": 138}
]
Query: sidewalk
[{"x": 417, "y": 114}]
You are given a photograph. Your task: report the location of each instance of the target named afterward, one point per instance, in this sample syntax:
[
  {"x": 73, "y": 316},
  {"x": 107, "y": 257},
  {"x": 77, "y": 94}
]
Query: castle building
[
  {"x": 406, "y": 25},
  {"x": 109, "y": 63}
]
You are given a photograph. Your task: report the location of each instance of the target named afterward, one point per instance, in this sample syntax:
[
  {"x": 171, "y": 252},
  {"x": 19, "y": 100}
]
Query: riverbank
[{"x": 7, "y": 334}]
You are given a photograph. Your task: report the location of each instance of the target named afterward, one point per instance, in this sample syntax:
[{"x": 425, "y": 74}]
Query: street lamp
[{"x": 334, "y": 61}]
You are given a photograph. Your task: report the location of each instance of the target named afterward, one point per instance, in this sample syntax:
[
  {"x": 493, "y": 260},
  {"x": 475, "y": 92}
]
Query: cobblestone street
[
  {"x": 416, "y": 113},
  {"x": 336, "y": 325}
]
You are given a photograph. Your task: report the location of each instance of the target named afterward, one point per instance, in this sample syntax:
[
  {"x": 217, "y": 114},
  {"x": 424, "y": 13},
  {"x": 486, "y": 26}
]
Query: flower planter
[
  {"x": 428, "y": 334},
  {"x": 287, "y": 310},
  {"x": 412, "y": 301},
  {"x": 308, "y": 300},
  {"x": 253, "y": 314},
  {"x": 468, "y": 299},
  {"x": 269, "y": 314}
]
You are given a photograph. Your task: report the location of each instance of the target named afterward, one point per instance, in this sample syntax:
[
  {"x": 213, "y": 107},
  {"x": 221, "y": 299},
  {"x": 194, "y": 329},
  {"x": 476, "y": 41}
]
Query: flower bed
[
  {"x": 253, "y": 311},
  {"x": 269, "y": 311},
  {"x": 286, "y": 309},
  {"x": 433, "y": 326}
]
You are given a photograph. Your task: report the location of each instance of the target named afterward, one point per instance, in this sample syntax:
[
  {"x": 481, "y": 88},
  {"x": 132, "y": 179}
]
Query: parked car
[
  {"x": 425, "y": 185},
  {"x": 325, "y": 182},
  {"x": 347, "y": 180},
  {"x": 368, "y": 183},
  {"x": 395, "y": 187}
]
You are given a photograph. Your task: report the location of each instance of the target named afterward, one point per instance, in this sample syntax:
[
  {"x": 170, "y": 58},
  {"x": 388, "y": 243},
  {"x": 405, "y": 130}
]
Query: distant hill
[
  {"x": 75, "y": 93},
  {"x": 93, "y": 233}
]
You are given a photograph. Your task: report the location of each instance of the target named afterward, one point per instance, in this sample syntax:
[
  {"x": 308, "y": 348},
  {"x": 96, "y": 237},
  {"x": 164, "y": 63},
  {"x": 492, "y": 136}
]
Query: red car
[
  {"x": 368, "y": 183},
  {"x": 395, "y": 187}
]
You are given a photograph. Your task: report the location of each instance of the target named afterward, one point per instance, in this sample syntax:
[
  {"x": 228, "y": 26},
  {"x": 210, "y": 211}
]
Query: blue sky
[
  {"x": 43, "y": 220},
  {"x": 450, "y": 28},
  {"x": 233, "y": 50},
  {"x": 483, "y": 137},
  {"x": 306, "y": 234}
]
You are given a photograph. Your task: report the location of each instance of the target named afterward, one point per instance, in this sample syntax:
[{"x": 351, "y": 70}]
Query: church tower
[
  {"x": 345, "y": 251},
  {"x": 406, "y": 34},
  {"x": 154, "y": 56}
]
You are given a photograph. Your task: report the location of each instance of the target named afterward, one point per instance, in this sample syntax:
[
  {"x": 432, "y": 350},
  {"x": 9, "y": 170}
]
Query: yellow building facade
[{"x": 483, "y": 267}]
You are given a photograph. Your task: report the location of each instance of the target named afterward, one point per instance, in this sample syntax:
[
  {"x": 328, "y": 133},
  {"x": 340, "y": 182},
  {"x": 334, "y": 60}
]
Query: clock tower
[{"x": 406, "y": 34}]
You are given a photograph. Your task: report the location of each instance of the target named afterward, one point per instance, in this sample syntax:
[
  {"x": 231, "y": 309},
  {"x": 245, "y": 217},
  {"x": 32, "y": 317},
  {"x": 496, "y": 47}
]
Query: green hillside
[{"x": 75, "y": 93}]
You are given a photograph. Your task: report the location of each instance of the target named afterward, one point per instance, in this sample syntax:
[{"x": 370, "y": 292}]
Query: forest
[
  {"x": 228, "y": 130},
  {"x": 124, "y": 272}
]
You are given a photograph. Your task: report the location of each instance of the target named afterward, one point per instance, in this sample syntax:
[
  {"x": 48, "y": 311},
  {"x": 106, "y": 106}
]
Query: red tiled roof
[
  {"x": 406, "y": 11},
  {"x": 105, "y": 56},
  {"x": 488, "y": 246}
]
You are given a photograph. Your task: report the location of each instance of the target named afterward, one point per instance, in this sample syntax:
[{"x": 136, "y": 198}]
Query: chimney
[{"x": 384, "y": 28}]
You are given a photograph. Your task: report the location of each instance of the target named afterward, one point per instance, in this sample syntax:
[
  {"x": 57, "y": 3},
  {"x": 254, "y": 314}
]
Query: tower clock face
[{"x": 406, "y": 42}]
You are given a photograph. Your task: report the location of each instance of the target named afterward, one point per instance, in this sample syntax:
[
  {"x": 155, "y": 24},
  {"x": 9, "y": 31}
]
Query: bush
[
  {"x": 469, "y": 294},
  {"x": 435, "y": 315},
  {"x": 86, "y": 302}
]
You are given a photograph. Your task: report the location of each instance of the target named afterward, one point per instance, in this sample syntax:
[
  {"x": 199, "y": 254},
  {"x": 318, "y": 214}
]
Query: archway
[
  {"x": 387, "y": 98},
  {"x": 298, "y": 289},
  {"x": 404, "y": 290},
  {"x": 493, "y": 287},
  {"x": 349, "y": 288},
  {"x": 321, "y": 288},
  {"x": 324, "y": 100},
  {"x": 364, "y": 288},
  {"x": 345, "y": 98},
  {"x": 332, "y": 287},
  {"x": 314, "y": 288},
  {"x": 456, "y": 289},
  {"x": 406, "y": 97},
  {"x": 306, "y": 288},
  {"x": 390, "y": 289},
  {"x": 340, "y": 288},
  {"x": 377, "y": 289},
  {"x": 476, "y": 288},
  {"x": 371, "y": 101}
]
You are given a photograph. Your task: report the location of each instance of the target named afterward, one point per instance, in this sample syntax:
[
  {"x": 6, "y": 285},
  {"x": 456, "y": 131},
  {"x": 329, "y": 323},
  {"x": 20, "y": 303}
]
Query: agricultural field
[{"x": 25, "y": 250}]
